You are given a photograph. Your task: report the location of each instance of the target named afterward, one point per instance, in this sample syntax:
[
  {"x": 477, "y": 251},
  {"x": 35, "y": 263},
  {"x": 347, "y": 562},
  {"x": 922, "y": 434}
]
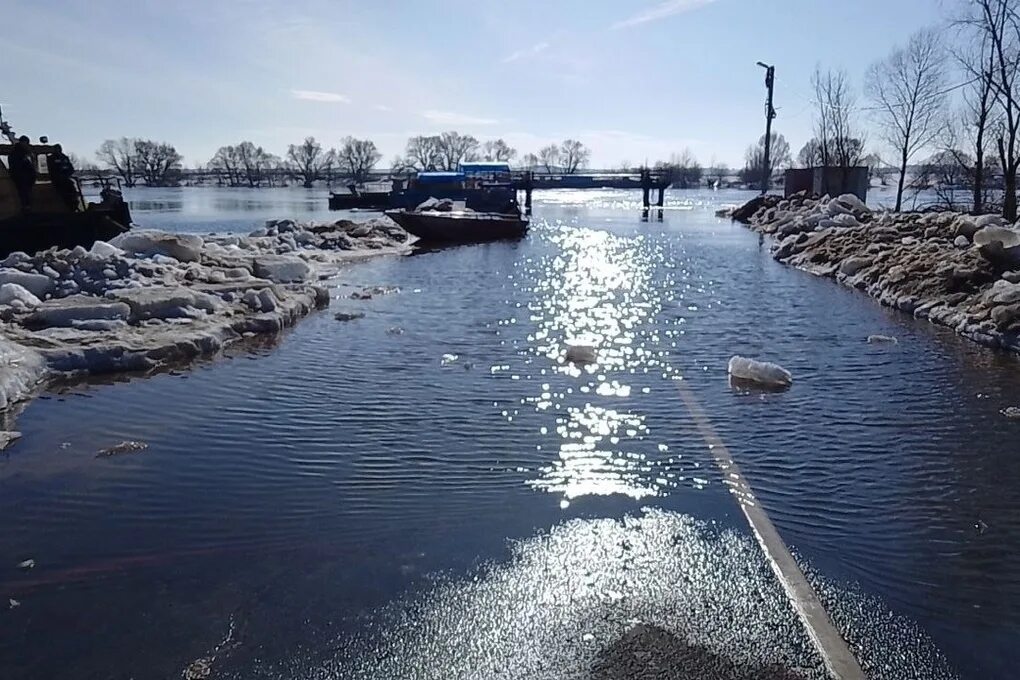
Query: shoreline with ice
[
  {"x": 955, "y": 270},
  {"x": 151, "y": 298}
]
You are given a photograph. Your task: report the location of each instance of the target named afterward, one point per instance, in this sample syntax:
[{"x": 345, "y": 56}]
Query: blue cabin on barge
[{"x": 484, "y": 186}]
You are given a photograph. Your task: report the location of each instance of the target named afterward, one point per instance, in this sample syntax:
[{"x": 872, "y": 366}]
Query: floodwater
[{"x": 431, "y": 492}]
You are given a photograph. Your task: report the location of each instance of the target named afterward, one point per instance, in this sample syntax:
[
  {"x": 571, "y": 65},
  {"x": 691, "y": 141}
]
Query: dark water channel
[{"x": 431, "y": 492}]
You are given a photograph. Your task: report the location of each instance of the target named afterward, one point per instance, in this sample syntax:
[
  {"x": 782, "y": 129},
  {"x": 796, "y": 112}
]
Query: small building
[{"x": 828, "y": 180}]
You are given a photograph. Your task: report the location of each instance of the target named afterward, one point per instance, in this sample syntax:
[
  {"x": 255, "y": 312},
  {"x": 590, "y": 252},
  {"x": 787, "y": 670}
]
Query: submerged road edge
[{"x": 835, "y": 652}]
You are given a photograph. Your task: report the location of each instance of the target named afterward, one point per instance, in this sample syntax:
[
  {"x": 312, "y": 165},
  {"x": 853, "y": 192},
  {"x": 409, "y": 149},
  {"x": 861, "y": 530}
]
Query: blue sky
[{"x": 634, "y": 80}]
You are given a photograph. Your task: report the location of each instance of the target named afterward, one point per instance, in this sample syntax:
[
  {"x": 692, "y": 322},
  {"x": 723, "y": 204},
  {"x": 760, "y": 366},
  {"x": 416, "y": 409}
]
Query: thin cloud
[
  {"x": 451, "y": 118},
  {"x": 382, "y": 107},
  {"x": 661, "y": 11},
  {"x": 316, "y": 96},
  {"x": 532, "y": 51}
]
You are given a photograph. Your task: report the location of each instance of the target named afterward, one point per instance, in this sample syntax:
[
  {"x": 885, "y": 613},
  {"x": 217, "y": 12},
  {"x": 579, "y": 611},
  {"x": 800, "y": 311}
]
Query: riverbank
[
  {"x": 950, "y": 268},
  {"x": 152, "y": 298}
]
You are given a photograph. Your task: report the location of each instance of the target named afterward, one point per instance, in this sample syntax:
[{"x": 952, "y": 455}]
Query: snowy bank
[
  {"x": 150, "y": 298},
  {"x": 950, "y": 268}
]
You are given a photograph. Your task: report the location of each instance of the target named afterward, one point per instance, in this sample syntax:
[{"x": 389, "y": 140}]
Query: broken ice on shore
[{"x": 149, "y": 298}]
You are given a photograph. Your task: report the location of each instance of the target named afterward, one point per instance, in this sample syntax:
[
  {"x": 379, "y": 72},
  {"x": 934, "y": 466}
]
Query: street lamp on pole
[{"x": 770, "y": 113}]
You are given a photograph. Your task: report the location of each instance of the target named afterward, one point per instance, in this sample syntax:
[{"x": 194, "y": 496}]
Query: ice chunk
[
  {"x": 761, "y": 372},
  {"x": 123, "y": 447},
  {"x": 8, "y": 436},
  {"x": 853, "y": 202},
  {"x": 990, "y": 221},
  {"x": 37, "y": 284},
  {"x": 164, "y": 302},
  {"x": 105, "y": 250},
  {"x": 880, "y": 339},
  {"x": 65, "y": 311},
  {"x": 183, "y": 247},
  {"x": 961, "y": 241},
  {"x": 1012, "y": 412},
  {"x": 582, "y": 354},
  {"x": 21, "y": 369},
  {"x": 348, "y": 316},
  {"x": 9, "y": 292},
  {"x": 282, "y": 268},
  {"x": 988, "y": 235}
]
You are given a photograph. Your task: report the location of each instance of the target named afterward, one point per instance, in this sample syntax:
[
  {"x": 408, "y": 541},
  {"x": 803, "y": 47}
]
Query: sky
[{"x": 635, "y": 80}]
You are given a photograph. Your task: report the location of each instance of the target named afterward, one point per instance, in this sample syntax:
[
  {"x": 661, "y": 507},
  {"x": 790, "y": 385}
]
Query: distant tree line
[
  {"x": 134, "y": 160},
  {"x": 246, "y": 165}
]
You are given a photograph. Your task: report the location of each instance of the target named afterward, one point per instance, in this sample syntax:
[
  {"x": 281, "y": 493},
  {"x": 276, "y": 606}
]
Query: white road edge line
[{"x": 835, "y": 652}]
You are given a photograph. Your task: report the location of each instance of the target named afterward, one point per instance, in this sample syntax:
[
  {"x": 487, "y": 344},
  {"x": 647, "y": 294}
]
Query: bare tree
[
  {"x": 530, "y": 161},
  {"x": 684, "y": 169},
  {"x": 422, "y": 152},
  {"x": 549, "y": 156},
  {"x": 120, "y": 155},
  {"x": 947, "y": 174},
  {"x": 810, "y": 155},
  {"x": 498, "y": 150},
  {"x": 256, "y": 163},
  {"x": 754, "y": 159},
  {"x": 226, "y": 165},
  {"x": 840, "y": 141},
  {"x": 158, "y": 163},
  {"x": 574, "y": 155},
  {"x": 906, "y": 88},
  {"x": 454, "y": 148},
  {"x": 995, "y": 24},
  {"x": 967, "y": 133},
  {"x": 306, "y": 160},
  {"x": 357, "y": 157}
]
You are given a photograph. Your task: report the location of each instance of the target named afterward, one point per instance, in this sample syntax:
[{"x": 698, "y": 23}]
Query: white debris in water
[
  {"x": 581, "y": 354},
  {"x": 12, "y": 603},
  {"x": 1012, "y": 412},
  {"x": 26, "y": 564},
  {"x": 882, "y": 339},
  {"x": 761, "y": 372},
  {"x": 123, "y": 447},
  {"x": 448, "y": 359},
  {"x": 6, "y": 437}
]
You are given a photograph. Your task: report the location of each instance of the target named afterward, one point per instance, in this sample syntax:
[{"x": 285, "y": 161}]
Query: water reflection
[{"x": 604, "y": 291}]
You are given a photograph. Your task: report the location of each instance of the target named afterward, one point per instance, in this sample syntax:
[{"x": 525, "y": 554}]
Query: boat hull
[
  {"x": 361, "y": 201},
  {"x": 458, "y": 227},
  {"x": 32, "y": 233}
]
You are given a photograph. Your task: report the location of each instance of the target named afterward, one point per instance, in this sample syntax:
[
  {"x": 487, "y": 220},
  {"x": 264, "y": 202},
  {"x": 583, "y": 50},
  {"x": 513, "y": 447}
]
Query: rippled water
[{"x": 432, "y": 491}]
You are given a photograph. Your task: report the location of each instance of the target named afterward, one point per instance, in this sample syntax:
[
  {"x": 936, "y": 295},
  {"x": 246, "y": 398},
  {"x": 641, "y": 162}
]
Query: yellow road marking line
[{"x": 834, "y": 650}]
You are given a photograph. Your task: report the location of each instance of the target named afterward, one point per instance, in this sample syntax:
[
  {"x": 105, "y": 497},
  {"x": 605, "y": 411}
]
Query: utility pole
[{"x": 770, "y": 113}]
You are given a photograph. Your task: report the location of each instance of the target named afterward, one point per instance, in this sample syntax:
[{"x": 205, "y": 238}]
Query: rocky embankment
[
  {"x": 150, "y": 298},
  {"x": 953, "y": 269}
]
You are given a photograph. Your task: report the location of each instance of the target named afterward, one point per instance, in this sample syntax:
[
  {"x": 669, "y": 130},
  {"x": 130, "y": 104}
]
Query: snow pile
[
  {"x": 149, "y": 298},
  {"x": 952, "y": 269}
]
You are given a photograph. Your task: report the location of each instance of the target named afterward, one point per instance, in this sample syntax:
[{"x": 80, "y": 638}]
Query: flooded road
[{"x": 433, "y": 492}]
